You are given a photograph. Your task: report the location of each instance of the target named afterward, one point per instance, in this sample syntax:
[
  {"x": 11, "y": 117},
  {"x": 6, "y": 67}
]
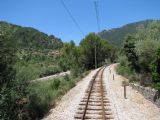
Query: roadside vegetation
[
  {"x": 140, "y": 56},
  {"x": 44, "y": 95}
]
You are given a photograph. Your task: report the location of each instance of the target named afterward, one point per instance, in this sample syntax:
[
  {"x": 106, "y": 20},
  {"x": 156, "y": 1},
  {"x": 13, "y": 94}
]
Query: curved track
[{"x": 95, "y": 104}]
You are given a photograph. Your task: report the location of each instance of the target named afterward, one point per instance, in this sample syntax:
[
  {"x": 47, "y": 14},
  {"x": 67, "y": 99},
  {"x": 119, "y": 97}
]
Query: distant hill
[
  {"x": 116, "y": 35},
  {"x": 30, "y": 38}
]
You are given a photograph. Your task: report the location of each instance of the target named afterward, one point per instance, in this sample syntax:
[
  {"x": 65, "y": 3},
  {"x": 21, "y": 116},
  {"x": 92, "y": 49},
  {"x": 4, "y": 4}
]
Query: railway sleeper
[
  {"x": 106, "y": 108},
  {"x": 96, "y": 91},
  {"x": 97, "y": 95},
  {"x": 90, "y": 116},
  {"x": 95, "y": 112},
  {"x": 98, "y": 86},
  {"x": 95, "y": 104},
  {"x": 96, "y": 98},
  {"x": 104, "y": 101}
]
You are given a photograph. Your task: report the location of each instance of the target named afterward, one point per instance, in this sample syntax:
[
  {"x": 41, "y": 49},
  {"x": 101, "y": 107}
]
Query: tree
[
  {"x": 155, "y": 68},
  {"x": 11, "y": 90},
  {"x": 146, "y": 44},
  {"x": 141, "y": 50},
  {"x": 7, "y": 76},
  {"x": 93, "y": 45},
  {"x": 129, "y": 49},
  {"x": 70, "y": 58}
]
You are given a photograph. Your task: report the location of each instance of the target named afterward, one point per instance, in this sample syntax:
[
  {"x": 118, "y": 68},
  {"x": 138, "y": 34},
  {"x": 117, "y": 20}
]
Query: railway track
[{"x": 95, "y": 104}]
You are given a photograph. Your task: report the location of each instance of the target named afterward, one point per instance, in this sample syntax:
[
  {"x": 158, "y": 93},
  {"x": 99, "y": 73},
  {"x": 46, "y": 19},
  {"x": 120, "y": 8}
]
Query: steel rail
[{"x": 84, "y": 113}]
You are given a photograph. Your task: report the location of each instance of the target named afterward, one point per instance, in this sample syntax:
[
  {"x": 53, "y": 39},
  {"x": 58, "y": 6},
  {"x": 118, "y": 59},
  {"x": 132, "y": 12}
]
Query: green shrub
[
  {"x": 41, "y": 99},
  {"x": 43, "y": 95},
  {"x": 157, "y": 86},
  {"x": 124, "y": 70},
  {"x": 134, "y": 78},
  {"x": 122, "y": 59},
  {"x": 76, "y": 71},
  {"x": 49, "y": 70},
  {"x": 67, "y": 77},
  {"x": 155, "y": 70},
  {"x": 55, "y": 84},
  {"x": 26, "y": 72}
]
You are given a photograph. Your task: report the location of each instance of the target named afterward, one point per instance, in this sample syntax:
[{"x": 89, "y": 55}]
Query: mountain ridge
[
  {"x": 116, "y": 35},
  {"x": 28, "y": 37}
]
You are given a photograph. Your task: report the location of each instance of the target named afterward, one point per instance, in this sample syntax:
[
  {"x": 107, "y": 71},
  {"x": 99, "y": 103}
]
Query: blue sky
[{"x": 49, "y": 16}]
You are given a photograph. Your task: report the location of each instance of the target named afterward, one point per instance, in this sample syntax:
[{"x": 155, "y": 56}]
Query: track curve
[{"x": 95, "y": 104}]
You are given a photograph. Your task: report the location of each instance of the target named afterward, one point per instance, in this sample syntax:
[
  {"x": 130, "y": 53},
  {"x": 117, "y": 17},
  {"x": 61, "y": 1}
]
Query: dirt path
[
  {"x": 135, "y": 107},
  {"x": 67, "y": 107},
  {"x": 52, "y": 76}
]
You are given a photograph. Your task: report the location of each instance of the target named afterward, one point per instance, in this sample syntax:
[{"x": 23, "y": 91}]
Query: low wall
[{"x": 149, "y": 93}]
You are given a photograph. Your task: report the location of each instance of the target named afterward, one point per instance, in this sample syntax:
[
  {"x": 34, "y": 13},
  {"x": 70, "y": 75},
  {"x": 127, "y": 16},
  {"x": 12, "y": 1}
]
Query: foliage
[
  {"x": 72, "y": 58},
  {"x": 7, "y": 77},
  {"x": 124, "y": 70},
  {"x": 55, "y": 84},
  {"x": 43, "y": 95},
  {"x": 79, "y": 58},
  {"x": 122, "y": 59},
  {"x": 142, "y": 52},
  {"x": 129, "y": 49},
  {"x": 91, "y": 45},
  {"x": 155, "y": 69}
]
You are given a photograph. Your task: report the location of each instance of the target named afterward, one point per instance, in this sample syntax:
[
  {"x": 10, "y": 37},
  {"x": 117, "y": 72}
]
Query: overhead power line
[
  {"x": 97, "y": 15},
  {"x": 74, "y": 20}
]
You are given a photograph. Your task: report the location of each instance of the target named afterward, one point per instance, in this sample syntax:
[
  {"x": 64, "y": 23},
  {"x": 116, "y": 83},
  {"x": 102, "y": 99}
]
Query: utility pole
[
  {"x": 95, "y": 52},
  {"x": 98, "y": 25}
]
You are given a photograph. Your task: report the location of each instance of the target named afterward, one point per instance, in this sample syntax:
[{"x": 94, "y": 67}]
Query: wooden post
[
  {"x": 95, "y": 55},
  {"x": 113, "y": 76},
  {"x": 125, "y": 92}
]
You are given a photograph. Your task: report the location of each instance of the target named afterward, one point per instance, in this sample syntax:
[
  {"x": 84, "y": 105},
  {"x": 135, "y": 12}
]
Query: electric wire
[
  {"x": 97, "y": 14},
  {"x": 72, "y": 17}
]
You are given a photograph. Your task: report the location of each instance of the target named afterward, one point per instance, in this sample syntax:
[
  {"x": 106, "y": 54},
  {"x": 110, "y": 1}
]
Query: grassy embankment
[{"x": 43, "y": 95}]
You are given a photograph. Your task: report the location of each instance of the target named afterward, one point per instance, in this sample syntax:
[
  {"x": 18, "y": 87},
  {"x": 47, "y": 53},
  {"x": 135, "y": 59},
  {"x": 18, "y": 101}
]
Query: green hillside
[
  {"x": 27, "y": 37},
  {"x": 116, "y": 35},
  {"x": 35, "y": 50}
]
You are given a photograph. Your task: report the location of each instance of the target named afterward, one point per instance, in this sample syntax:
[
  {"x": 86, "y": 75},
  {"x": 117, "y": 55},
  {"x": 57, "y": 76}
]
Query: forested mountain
[
  {"x": 27, "y": 37},
  {"x": 116, "y": 35},
  {"x": 140, "y": 56}
]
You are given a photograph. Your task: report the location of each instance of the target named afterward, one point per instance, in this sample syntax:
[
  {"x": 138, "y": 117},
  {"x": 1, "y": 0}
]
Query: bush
[
  {"x": 124, "y": 70},
  {"x": 134, "y": 78},
  {"x": 41, "y": 98},
  {"x": 55, "y": 84},
  {"x": 157, "y": 86},
  {"x": 49, "y": 70},
  {"x": 26, "y": 72},
  {"x": 76, "y": 71},
  {"x": 155, "y": 70},
  {"x": 43, "y": 95},
  {"x": 123, "y": 60}
]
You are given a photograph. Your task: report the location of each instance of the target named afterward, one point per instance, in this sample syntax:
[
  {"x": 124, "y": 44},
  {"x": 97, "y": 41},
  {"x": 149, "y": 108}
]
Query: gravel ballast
[{"x": 66, "y": 108}]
